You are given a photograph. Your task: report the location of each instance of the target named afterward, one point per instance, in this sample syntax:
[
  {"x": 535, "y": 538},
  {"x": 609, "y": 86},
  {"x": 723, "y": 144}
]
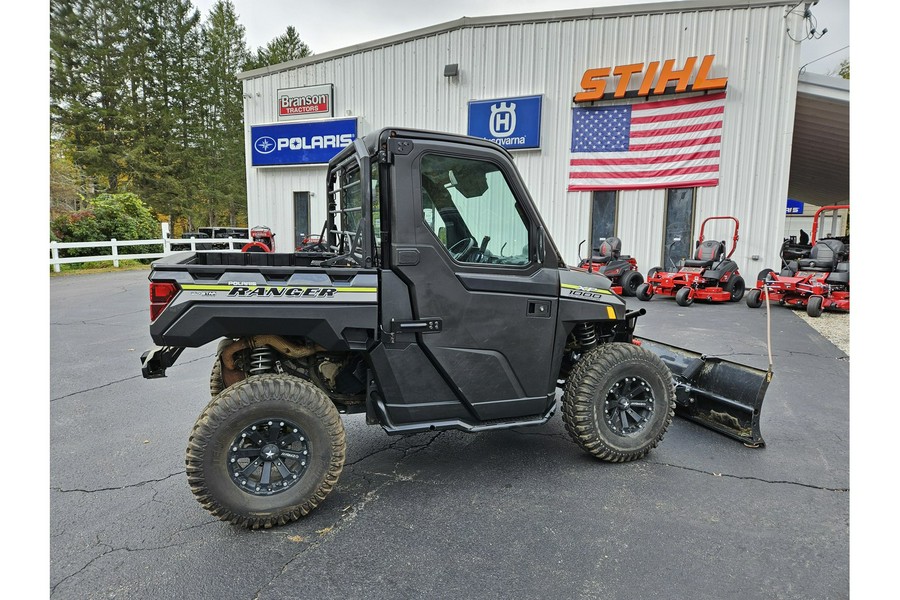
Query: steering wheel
[{"x": 462, "y": 248}]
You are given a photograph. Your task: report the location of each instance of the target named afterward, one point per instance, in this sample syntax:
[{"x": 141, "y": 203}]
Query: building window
[
  {"x": 678, "y": 240},
  {"x": 603, "y": 217},
  {"x": 301, "y": 217}
]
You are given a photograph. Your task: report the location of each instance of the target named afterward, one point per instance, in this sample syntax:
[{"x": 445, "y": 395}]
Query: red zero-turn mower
[
  {"x": 263, "y": 240},
  {"x": 609, "y": 261},
  {"x": 711, "y": 276},
  {"x": 820, "y": 281}
]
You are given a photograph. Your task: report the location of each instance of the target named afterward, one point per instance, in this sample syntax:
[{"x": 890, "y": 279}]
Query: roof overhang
[
  {"x": 556, "y": 15},
  {"x": 820, "y": 154}
]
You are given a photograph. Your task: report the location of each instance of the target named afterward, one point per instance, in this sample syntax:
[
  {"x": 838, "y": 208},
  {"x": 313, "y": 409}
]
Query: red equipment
[
  {"x": 263, "y": 240},
  {"x": 819, "y": 281},
  {"x": 710, "y": 276},
  {"x": 609, "y": 261}
]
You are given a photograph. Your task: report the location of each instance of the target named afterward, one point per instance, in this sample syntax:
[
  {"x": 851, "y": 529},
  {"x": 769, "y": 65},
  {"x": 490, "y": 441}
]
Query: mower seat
[
  {"x": 824, "y": 256},
  {"x": 610, "y": 249},
  {"x": 709, "y": 252},
  {"x": 841, "y": 275}
]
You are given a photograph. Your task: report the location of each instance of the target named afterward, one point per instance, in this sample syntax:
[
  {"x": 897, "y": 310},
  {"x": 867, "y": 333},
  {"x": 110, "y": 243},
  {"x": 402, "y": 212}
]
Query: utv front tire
[
  {"x": 265, "y": 451},
  {"x": 618, "y": 402}
]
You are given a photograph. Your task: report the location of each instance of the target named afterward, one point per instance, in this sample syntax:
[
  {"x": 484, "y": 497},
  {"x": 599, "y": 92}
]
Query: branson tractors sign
[{"x": 311, "y": 102}]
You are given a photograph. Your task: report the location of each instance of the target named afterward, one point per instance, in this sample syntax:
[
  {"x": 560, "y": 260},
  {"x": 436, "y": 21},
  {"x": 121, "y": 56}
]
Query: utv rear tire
[
  {"x": 814, "y": 306},
  {"x": 229, "y": 460},
  {"x": 216, "y": 383},
  {"x": 683, "y": 297},
  {"x": 735, "y": 286},
  {"x": 643, "y": 292},
  {"x": 618, "y": 402},
  {"x": 754, "y": 298},
  {"x": 630, "y": 281}
]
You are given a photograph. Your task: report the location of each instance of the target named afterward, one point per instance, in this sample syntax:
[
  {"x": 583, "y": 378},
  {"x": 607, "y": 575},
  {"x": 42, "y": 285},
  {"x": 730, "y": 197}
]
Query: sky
[{"x": 326, "y": 26}]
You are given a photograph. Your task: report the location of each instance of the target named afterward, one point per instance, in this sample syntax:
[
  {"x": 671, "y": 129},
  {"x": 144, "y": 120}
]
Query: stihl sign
[
  {"x": 650, "y": 79},
  {"x": 305, "y": 102}
]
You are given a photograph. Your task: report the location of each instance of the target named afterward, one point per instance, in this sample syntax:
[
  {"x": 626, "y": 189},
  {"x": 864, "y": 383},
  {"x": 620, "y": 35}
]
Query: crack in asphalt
[
  {"x": 138, "y": 376},
  {"x": 114, "y": 489},
  {"x": 79, "y": 571},
  {"x": 745, "y": 477},
  {"x": 350, "y": 513},
  {"x": 99, "y": 320},
  {"x": 110, "y": 550}
]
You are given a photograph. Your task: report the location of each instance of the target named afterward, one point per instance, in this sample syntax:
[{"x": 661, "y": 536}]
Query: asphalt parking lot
[{"x": 510, "y": 514}]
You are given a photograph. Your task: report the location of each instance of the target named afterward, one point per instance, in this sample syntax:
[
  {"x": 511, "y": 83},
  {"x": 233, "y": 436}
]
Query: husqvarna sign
[
  {"x": 310, "y": 143},
  {"x": 508, "y": 122}
]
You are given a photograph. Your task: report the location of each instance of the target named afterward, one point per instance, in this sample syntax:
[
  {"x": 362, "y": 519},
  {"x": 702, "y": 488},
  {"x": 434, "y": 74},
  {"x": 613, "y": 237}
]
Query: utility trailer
[{"x": 435, "y": 300}]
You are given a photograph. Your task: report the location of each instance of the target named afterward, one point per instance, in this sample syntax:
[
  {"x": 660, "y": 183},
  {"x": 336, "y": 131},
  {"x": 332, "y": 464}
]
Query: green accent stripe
[
  {"x": 569, "y": 286},
  {"x": 228, "y": 288}
]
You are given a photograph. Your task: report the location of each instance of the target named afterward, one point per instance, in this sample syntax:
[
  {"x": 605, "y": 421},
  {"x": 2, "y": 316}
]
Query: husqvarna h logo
[{"x": 503, "y": 119}]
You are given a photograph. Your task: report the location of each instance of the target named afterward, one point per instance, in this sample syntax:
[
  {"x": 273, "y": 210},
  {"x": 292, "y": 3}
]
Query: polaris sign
[
  {"x": 312, "y": 143},
  {"x": 509, "y": 122}
]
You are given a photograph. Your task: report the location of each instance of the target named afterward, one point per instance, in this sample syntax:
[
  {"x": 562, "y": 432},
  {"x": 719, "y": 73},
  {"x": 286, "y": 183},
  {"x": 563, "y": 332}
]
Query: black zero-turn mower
[
  {"x": 711, "y": 275},
  {"x": 620, "y": 269}
]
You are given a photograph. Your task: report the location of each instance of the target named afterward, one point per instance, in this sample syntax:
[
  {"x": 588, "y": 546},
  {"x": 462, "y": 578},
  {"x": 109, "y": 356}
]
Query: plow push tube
[{"x": 719, "y": 394}]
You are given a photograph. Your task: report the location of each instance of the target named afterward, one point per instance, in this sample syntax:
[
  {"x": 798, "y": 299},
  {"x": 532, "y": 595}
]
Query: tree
[
  {"x": 844, "y": 70},
  {"x": 145, "y": 99},
  {"x": 286, "y": 47},
  {"x": 88, "y": 84},
  {"x": 68, "y": 184},
  {"x": 222, "y": 142}
]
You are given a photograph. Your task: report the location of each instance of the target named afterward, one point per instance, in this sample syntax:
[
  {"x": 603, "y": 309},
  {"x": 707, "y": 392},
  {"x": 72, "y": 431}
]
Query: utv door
[{"x": 466, "y": 288}]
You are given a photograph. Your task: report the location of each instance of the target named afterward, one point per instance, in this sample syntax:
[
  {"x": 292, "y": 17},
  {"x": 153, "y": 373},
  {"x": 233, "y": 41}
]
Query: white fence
[{"x": 165, "y": 244}]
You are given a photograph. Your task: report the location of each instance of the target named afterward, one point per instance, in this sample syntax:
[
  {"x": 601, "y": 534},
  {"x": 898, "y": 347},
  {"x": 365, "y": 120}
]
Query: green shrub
[{"x": 120, "y": 216}]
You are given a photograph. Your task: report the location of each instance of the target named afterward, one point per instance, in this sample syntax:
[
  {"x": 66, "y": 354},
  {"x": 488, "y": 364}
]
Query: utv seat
[
  {"x": 708, "y": 253},
  {"x": 610, "y": 249},
  {"x": 824, "y": 256}
]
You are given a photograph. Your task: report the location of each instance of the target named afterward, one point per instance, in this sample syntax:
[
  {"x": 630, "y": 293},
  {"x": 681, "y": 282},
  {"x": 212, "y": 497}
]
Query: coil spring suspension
[
  {"x": 586, "y": 335},
  {"x": 262, "y": 360}
]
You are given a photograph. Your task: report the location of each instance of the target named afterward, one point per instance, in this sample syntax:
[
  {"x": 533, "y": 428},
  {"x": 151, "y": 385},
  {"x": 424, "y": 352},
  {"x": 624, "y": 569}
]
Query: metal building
[{"x": 556, "y": 68}]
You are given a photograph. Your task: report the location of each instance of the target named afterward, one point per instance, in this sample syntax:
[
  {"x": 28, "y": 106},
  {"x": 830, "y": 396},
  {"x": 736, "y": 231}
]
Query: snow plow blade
[{"x": 719, "y": 394}]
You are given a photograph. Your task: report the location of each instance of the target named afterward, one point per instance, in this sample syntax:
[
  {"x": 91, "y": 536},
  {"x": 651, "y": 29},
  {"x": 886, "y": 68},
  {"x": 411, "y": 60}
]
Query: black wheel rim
[
  {"x": 628, "y": 406},
  {"x": 268, "y": 456}
]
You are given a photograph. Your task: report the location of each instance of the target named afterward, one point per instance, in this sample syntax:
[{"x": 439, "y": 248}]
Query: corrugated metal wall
[{"x": 403, "y": 85}]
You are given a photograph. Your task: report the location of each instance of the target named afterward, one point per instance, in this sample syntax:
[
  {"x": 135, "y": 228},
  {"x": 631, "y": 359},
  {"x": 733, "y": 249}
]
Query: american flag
[{"x": 672, "y": 143}]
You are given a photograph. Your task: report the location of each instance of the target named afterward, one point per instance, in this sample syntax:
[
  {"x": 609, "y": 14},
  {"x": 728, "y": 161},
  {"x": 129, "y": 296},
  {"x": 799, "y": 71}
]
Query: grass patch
[{"x": 98, "y": 267}]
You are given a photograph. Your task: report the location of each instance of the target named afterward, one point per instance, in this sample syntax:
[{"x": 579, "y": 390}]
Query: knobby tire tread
[
  {"x": 242, "y": 396},
  {"x": 579, "y": 397}
]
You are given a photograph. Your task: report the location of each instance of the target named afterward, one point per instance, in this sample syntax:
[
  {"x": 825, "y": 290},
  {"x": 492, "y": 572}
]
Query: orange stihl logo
[{"x": 654, "y": 80}]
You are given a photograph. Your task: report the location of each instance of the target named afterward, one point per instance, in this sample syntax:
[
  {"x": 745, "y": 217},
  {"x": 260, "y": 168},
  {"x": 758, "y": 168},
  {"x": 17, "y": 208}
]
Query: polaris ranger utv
[{"x": 437, "y": 301}]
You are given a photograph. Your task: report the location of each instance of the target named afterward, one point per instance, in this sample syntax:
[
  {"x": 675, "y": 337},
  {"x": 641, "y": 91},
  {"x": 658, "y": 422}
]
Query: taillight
[{"x": 160, "y": 296}]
